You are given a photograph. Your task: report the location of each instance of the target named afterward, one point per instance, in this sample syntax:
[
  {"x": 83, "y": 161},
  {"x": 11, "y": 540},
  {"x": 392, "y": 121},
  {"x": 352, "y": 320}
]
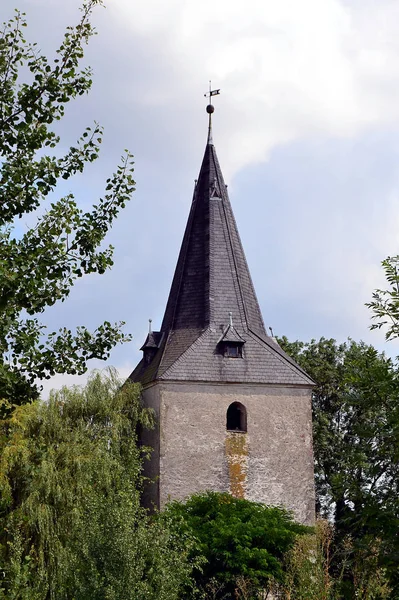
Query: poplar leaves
[
  {"x": 385, "y": 303},
  {"x": 39, "y": 267}
]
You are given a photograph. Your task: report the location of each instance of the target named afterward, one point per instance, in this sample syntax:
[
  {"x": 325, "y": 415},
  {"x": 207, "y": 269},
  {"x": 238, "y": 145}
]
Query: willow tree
[
  {"x": 38, "y": 268},
  {"x": 71, "y": 525}
]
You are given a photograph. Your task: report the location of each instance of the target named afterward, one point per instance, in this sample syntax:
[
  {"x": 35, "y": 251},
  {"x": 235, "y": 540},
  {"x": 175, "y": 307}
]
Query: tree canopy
[
  {"x": 71, "y": 525},
  {"x": 240, "y": 540},
  {"x": 39, "y": 266},
  {"x": 356, "y": 447}
]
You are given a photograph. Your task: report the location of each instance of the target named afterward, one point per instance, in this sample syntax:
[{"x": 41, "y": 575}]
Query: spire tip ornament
[{"x": 210, "y": 109}]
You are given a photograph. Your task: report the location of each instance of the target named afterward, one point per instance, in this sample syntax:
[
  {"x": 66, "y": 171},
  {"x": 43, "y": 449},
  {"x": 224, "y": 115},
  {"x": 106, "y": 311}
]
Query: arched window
[{"x": 236, "y": 417}]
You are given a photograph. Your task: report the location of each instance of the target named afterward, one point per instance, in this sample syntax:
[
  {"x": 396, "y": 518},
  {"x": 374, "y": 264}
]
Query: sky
[{"x": 306, "y": 131}]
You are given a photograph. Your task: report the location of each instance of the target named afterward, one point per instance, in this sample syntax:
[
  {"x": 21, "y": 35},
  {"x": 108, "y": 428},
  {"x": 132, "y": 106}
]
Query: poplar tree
[{"x": 39, "y": 267}]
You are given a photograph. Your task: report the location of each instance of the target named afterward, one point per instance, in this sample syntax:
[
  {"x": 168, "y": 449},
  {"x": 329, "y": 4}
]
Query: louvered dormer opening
[
  {"x": 232, "y": 350},
  {"x": 148, "y": 354},
  {"x": 231, "y": 343}
]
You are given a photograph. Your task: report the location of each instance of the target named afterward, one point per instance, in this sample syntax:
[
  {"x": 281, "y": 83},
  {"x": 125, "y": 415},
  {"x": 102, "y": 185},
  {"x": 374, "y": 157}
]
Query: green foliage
[
  {"x": 242, "y": 542},
  {"x": 71, "y": 525},
  {"x": 308, "y": 566},
  {"x": 39, "y": 267},
  {"x": 309, "y": 570},
  {"x": 385, "y": 303},
  {"x": 356, "y": 445}
]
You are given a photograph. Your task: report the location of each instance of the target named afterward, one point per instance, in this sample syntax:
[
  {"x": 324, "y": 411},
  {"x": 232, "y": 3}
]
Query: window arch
[{"x": 236, "y": 417}]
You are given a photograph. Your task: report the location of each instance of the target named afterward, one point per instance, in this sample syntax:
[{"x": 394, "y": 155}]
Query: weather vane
[
  {"x": 210, "y": 108},
  {"x": 211, "y": 93}
]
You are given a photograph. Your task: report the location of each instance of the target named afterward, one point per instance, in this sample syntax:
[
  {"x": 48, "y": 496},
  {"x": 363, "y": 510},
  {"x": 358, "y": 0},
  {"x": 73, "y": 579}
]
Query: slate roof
[
  {"x": 230, "y": 334},
  {"x": 152, "y": 340},
  {"x": 211, "y": 280}
]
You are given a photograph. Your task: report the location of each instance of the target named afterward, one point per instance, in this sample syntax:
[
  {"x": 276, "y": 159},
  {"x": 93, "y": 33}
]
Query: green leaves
[
  {"x": 237, "y": 538},
  {"x": 385, "y": 303},
  {"x": 39, "y": 268},
  {"x": 356, "y": 445},
  {"x": 62, "y": 351},
  {"x": 71, "y": 525}
]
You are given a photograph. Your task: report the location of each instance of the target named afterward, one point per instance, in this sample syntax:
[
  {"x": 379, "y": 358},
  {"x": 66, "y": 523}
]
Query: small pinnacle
[
  {"x": 149, "y": 325},
  {"x": 231, "y": 319}
]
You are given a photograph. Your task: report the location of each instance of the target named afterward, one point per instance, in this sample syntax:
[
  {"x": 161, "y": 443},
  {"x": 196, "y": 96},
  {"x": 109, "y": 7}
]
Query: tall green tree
[
  {"x": 356, "y": 446},
  {"x": 39, "y": 267},
  {"x": 71, "y": 525}
]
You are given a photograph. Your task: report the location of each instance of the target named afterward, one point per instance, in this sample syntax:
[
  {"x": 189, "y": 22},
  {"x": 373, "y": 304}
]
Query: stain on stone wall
[{"x": 236, "y": 448}]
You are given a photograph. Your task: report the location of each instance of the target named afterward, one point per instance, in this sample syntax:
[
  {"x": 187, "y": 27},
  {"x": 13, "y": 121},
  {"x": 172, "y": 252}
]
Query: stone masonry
[{"x": 192, "y": 449}]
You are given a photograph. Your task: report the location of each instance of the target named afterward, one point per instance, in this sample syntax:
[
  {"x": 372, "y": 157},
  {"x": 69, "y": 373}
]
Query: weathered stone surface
[{"x": 277, "y": 462}]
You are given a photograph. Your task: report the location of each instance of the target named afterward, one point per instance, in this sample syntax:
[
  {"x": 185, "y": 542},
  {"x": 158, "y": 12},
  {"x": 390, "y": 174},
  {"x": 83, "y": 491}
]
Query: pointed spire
[
  {"x": 211, "y": 271},
  {"x": 212, "y": 278}
]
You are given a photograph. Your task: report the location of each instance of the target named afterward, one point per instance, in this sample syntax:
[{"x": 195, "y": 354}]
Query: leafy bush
[{"x": 240, "y": 541}]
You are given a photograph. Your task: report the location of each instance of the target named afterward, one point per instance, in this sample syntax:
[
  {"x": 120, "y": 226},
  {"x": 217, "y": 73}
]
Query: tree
[
  {"x": 39, "y": 267},
  {"x": 71, "y": 525},
  {"x": 385, "y": 303},
  {"x": 241, "y": 541},
  {"x": 356, "y": 446}
]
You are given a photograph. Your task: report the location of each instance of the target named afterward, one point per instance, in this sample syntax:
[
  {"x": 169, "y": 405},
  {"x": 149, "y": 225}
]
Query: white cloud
[{"x": 287, "y": 69}]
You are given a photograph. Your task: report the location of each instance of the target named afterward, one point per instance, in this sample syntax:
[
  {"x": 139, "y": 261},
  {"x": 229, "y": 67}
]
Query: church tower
[{"x": 233, "y": 411}]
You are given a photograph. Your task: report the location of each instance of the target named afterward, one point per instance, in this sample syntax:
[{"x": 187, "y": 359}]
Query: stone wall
[{"x": 271, "y": 463}]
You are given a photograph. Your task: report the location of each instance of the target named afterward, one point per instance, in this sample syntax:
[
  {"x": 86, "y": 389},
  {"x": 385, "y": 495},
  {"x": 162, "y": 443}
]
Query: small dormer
[
  {"x": 151, "y": 344},
  {"x": 230, "y": 344}
]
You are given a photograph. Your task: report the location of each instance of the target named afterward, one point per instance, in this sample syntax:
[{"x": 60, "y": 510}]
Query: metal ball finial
[{"x": 210, "y": 109}]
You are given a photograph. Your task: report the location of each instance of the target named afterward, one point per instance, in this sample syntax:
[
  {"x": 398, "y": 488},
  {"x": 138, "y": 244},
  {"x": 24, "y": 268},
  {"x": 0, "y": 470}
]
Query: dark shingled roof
[
  {"x": 231, "y": 335},
  {"x": 152, "y": 340},
  {"x": 211, "y": 280}
]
